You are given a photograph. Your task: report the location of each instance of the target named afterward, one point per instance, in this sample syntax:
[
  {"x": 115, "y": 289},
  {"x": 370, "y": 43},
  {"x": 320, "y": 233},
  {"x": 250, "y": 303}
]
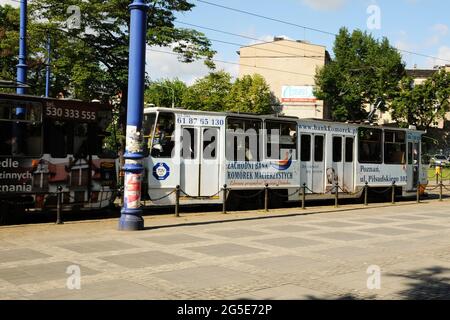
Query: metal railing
[{"x": 302, "y": 192}]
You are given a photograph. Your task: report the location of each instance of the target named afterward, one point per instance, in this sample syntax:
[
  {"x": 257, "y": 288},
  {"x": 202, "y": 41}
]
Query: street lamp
[
  {"x": 173, "y": 92},
  {"x": 131, "y": 213}
]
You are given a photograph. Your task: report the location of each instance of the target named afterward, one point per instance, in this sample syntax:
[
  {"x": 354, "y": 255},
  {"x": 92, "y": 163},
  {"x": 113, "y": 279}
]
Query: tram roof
[
  {"x": 273, "y": 117},
  {"x": 61, "y": 102}
]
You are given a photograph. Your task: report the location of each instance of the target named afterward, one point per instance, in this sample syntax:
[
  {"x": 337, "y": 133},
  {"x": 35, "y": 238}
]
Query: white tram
[{"x": 203, "y": 151}]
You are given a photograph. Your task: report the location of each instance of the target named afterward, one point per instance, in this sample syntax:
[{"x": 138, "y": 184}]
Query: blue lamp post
[
  {"x": 131, "y": 214},
  {"x": 47, "y": 73},
  {"x": 22, "y": 66}
]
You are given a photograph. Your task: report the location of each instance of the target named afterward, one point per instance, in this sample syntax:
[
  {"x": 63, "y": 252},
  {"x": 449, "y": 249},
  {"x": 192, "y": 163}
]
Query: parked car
[{"x": 440, "y": 160}]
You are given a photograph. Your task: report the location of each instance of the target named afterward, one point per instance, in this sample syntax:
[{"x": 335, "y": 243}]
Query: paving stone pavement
[{"x": 320, "y": 253}]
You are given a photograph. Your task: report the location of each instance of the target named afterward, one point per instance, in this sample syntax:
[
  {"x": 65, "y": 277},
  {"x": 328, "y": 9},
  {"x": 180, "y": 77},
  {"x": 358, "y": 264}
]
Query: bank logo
[
  {"x": 161, "y": 171},
  {"x": 285, "y": 164}
]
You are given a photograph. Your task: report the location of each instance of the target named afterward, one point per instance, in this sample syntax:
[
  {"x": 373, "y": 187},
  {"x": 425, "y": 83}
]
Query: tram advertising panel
[{"x": 70, "y": 110}]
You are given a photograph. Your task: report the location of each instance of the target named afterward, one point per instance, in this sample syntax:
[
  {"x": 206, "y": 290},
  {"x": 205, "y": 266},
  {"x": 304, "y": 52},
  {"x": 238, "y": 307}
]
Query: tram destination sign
[{"x": 68, "y": 111}]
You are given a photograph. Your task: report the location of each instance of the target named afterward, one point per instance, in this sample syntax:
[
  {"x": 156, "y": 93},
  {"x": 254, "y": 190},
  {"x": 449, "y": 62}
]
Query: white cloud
[
  {"x": 162, "y": 64},
  {"x": 440, "y": 29},
  {"x": 12, "y": 3},
  {"x": 443, "y": 53},
  {"x": 325, "y": 4}
]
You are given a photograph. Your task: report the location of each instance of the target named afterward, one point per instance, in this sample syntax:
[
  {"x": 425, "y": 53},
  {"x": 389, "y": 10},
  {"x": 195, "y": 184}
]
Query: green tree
[
  {"x": 9, "y": 50},
  {"x": 251, "y": 94},
  {"x": 363, "y": 70},
  {"x": 422, "y": 105},
  {"x": 165, "y": 92},
  {"x": 216, "y": 92},
  {"x": 91, "y": 62},
  {"x": 93, "y": 59},
  {"x": 210, "y": 93},
  {"x": 9, "y": 18}
]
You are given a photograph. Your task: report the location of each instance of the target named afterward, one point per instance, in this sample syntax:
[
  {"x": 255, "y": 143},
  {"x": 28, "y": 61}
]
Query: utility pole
[{"x": 131, "y": 214}]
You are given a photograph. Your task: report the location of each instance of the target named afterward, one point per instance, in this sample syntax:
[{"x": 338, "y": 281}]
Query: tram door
[
  {"x": 200, "y": 161},
  {"x": 349, "y": 165},
  {"x": 342, "y": 170},
  {"x": 312, "y": 165},
  {"x": 413, "y": 164}
]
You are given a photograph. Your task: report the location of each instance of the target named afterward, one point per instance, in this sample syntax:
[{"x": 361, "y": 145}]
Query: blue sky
[{"x": 415, "y": 25}]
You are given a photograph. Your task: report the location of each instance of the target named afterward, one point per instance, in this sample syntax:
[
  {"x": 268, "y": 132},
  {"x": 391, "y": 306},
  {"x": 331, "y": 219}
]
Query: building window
[
  {"x": 370, "y": 142},
  {"x": 394, "y": 147}
]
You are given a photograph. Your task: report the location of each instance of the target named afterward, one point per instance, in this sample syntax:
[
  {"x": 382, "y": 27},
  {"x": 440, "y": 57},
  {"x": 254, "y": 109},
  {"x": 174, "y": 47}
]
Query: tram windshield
[
  {"x": 394, "y": 147},
  {"x": 370, "y": 142},
  {"x": 159, "y": 134}
]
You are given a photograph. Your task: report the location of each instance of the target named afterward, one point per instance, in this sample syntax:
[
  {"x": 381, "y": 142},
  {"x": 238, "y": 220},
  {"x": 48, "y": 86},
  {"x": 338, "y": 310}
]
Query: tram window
[
  {"x": 80, "y": 140},
  {"x": 318, "y": 148},
  {"x": 416, "y": 151},
  {"x": 410, "y": 153},
  {"x": 95, "y": 139},
  {"x": 20, "y": 139},
  {"x": 370, "y": 150},
  {"x": 349, "y": 142},
  {"x": 305, "y": 151},
  {"x": 243, "y": 140},
  {"x": 33, "y": 140},
  {"x": 189, "y": 145},
  {"x": 148, "y": 127},
  {"x": 164, "y": 140},
  {"x": 394, "y": 147},
  {"x": 56, "y": 135},
  {"x": 6, "y": 138},
  {"x": 5, "y": 111},
  {"x": 210, "y": 138},
  {"x": 281, "y": 140},
  {"x": 337, "y": 149},
  {"x": 32, "y": 111}
]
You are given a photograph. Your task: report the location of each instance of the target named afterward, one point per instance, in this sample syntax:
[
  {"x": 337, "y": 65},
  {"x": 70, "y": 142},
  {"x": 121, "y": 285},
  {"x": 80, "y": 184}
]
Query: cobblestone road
[{"x": 322, "y": 253}]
